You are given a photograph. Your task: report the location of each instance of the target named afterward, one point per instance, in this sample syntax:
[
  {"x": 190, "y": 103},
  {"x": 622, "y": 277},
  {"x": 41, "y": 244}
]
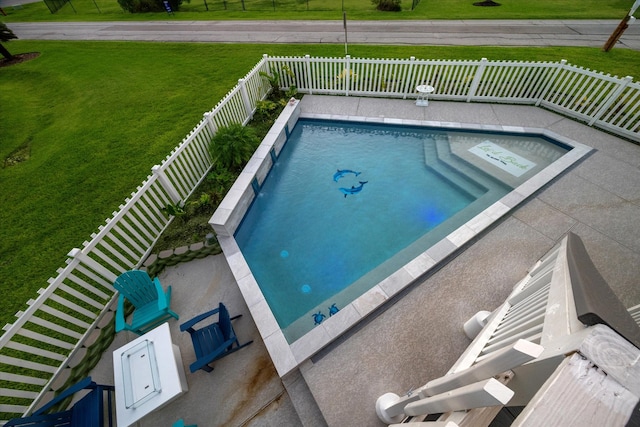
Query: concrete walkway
[
  {"x": 418, "y": 336},
  {"x": 592, "y": 33}
]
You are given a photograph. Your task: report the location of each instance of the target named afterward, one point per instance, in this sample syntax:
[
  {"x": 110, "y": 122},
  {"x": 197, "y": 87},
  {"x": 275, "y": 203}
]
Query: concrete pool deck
[
  {"x": 417, "y": 335},
  {"x": 288, "y": 349}
]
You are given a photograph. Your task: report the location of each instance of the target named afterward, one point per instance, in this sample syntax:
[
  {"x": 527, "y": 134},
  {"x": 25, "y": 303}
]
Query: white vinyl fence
[
  {"x": 610, "y": 103},
  {"x": 55, "y": 326}
]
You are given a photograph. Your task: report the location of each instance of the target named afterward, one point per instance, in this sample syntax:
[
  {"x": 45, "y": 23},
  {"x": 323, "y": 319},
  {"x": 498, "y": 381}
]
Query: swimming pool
[
  {"x": 348, "y": 203},
  {"x": 512, "y": 179}
]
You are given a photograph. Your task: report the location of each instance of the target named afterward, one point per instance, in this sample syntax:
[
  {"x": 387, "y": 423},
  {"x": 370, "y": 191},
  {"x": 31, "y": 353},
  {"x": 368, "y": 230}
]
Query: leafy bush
[
  {"x": 141, "y": 6},
  {"x": 219, "y": 181},
  {"x": 175, "y": 209},
  {"x": 291, "y": 92},
  {"x": 264, "y": 109},
  {"x": 202, "y": 204},
  {"x": 274, "y": 82},
  {"x": 232, "y": 146},
  {"x": 387, "y": 5}
]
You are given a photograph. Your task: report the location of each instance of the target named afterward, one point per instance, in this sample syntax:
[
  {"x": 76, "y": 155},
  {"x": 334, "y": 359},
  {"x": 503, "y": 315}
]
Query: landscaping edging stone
[{"x": 155, "y": 263}]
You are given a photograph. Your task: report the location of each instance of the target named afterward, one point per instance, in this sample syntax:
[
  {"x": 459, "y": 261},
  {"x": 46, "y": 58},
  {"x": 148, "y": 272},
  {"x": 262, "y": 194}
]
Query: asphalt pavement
[{"x": 591, "y": 33}]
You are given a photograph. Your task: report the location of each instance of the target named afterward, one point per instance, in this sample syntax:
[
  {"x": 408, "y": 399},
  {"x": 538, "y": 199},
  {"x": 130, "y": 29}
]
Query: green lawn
[
  {"x": 94, "y": 117},
  {"x": 108, "y": 10}
]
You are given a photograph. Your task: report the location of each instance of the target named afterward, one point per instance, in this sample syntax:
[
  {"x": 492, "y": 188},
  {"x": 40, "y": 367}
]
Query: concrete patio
[{"x": 418, "y": 335}]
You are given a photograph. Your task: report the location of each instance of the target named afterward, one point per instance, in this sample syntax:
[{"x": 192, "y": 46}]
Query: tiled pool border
[{"x": 229, "y": 214}]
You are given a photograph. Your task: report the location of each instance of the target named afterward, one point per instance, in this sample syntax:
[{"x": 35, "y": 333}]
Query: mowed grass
[
  {"x": 94, "y": 117},
  {"x": 108, "y": 10}
]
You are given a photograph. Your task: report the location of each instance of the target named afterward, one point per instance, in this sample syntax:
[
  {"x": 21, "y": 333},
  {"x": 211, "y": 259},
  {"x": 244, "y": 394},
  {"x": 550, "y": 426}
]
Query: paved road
[{"x": 472, "y": 32}]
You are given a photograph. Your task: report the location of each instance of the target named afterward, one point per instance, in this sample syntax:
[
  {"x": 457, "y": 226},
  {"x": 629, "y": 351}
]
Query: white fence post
[
  {"x": 612, "y": 98},
  {"x": 476, "y": 79},
  {"x": 78, "y": 255},
  {"x": 266, "y": 63},
  {"x": 209, "y": 119},
  {"x": 347, "y": 72},
  {"x": 307, "y": 66},
  {"x": 407, "y": 85},
  {"x": 165, "y": 183}
]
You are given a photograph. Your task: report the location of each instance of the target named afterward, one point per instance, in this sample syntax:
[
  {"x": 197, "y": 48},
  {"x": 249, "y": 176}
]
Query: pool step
[
  {"x": 438, "y": 158},
  {"x": 470, "y": 169}
]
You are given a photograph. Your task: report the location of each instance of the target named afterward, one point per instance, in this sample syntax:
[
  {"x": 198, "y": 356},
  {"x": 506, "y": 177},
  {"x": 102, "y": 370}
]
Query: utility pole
[
  {"x": 344, "y": 24},
  {"x": 623, "y": 25}
]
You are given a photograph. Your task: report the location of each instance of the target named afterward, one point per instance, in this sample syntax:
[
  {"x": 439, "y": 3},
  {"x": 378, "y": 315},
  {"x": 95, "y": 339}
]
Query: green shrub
[
  {"x": 264, "y": 109},
  {"x": 291, "y": 92},
  {"x": 175, "y": 209},
  {"x": 203, "y": 204},
  {"x": 232, "y": 146},
  {"x": 387, "y": 5},
  {"x": 277, "y": 95},
  {"x": 219, "y": 181},
  {"x": 141, "y": 6}
]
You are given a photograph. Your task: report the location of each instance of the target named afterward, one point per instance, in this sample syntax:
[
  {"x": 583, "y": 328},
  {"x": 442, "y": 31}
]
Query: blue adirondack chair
[
  {"x": 213, "y": 341},
  {"x": 150, "y": 301},
  {"x": 89, "y": 411},
  {"x": 180, "y": 423}
]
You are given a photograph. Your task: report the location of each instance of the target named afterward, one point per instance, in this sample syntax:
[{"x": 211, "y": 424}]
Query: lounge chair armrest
[
  {"x": 163, "y": 297},
  {"x": 190, "y": 323},
  {"x": 85, "y": 383},
  {"x": 121, "y": 324},
  {"x": 198, "y": 364}
]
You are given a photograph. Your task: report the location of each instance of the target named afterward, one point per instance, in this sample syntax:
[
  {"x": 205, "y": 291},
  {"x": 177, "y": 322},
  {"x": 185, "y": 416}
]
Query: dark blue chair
[
  {"x": 213, "y": 341},
  {"x": 150, "y": 302},
  {"x": 89, "y": 411}
]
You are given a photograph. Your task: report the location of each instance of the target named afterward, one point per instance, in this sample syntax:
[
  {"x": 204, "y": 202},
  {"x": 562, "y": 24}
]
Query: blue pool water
[{"x": 315, "y": 236}]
